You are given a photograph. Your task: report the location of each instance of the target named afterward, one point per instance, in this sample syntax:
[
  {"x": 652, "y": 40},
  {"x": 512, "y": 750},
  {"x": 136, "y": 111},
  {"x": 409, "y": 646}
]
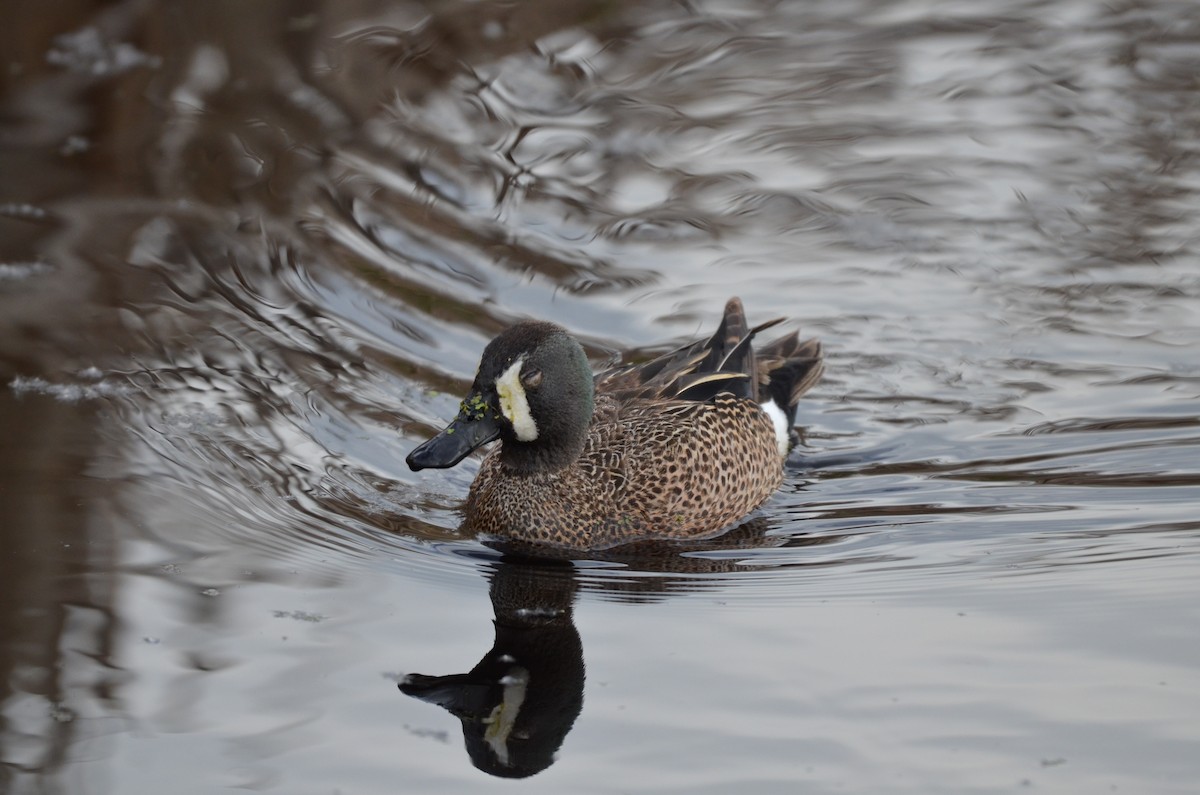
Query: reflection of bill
[{"x": 519, "y": 702}]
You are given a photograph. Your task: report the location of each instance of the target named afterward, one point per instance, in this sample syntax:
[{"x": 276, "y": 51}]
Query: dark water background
[{"x": 249, "y": 255}]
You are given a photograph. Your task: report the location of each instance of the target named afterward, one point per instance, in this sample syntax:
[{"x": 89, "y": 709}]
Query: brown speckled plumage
[{"x": 676, "y": 448}]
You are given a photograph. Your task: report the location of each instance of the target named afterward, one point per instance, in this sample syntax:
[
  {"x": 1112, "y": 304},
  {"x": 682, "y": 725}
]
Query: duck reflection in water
[{"x": 518, "y": 703}]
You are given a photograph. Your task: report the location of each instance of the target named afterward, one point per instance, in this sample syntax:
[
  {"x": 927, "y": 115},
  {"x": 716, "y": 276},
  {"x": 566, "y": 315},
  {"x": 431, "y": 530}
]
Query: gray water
[{"x": 249, "y": 256}]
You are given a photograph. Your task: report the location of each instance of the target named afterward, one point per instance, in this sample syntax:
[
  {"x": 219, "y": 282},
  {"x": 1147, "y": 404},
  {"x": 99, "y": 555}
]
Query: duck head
[{"x": 533, "y": 392}]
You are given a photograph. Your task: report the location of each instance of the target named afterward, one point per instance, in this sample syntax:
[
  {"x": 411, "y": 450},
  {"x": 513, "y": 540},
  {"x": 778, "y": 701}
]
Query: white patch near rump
[
  {"x": 513, "y": 403},
  {"x": 779, "y": 420}
]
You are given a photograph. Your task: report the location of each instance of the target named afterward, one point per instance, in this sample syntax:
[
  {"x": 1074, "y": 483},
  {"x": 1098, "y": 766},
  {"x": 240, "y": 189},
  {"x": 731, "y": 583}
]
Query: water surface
[{"x": 249, "y": 257}]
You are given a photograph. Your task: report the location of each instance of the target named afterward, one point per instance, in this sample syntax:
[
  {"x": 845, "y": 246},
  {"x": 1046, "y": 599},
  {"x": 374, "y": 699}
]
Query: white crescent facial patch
[
  {"x": 513, "y": 403},
  {"x": 504, "y": 715}
]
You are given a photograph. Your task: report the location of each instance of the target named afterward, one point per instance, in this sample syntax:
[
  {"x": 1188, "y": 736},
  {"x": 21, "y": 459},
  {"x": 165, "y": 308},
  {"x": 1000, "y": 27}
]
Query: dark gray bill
[{"x": 472, "y": 428}]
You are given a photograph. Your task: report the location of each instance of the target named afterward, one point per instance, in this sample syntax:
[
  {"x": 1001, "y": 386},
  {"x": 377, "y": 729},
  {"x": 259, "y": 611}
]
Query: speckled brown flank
[
  {"x": 649, "y": 471},
  {"x": 655, "y": 466}
]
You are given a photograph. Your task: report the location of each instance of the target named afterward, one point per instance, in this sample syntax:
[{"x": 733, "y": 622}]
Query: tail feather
[
  {"x": 731, "y": 349},
  {"x": 725, "y": 339},
  {"x": 789, "y": 367},
  {"x": 780, "y": 371}
]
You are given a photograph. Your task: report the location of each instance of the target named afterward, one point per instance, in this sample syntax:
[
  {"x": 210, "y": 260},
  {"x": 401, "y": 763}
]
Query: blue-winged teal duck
[{"x": 679, "y": 447}]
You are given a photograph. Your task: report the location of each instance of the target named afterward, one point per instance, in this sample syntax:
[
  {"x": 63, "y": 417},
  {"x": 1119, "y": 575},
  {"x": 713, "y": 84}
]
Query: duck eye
[{"x": 531, "y": 379}]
